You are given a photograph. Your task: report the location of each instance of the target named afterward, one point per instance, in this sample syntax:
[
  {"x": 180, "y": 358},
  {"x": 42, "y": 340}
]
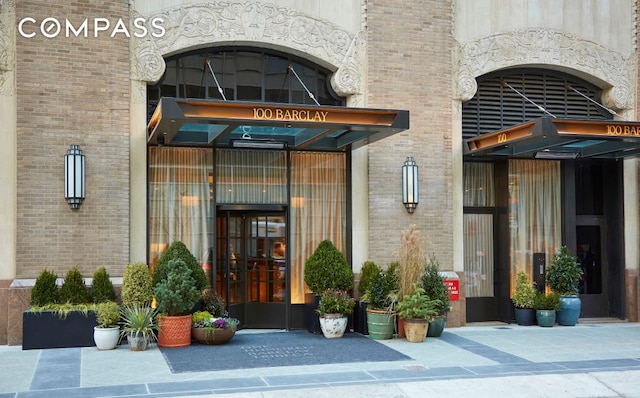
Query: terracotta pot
[
  {"x": 415, "y": 330},
  {"x": 212, "y": 336},
  {"x": 174, "y": 331}
]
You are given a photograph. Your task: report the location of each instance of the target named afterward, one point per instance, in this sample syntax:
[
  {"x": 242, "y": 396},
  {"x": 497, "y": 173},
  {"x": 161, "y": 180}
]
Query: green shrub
[
  {"x": 213, "y": 303},
  {"x": 548, "y": 301},
  {"x": 327, "y": 268},
  {"x": 45, "y": 291},
  {"x": 417, "y": 305},
  {"x": 102, "y": 288},
  {"x": 177, "y": 293},
  {"x": 383, "y": 290},
  {"x": 368, "y": 271},
  {"x": 178, "y": 250},
  {"x": 564, "y": 273},
  {"x": 136, "y": 286},
  {"x": 335, "y": 302},
  {"x": 74, "y": 290},
  {"x": 107, "y": 314},
  {"x": 524, "y": 292},
  {"x": 434, "y": 285}
]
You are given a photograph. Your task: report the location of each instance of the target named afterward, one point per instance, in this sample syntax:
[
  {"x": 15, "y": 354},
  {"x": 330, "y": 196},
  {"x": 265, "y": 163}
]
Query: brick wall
[
  {"x": 409, "y": 67},
  {"x": 72, "y": 90}
]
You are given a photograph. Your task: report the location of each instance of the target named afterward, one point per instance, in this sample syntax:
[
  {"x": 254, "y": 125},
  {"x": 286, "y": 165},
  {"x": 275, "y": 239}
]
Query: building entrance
[{"x": 251, "y": 266}]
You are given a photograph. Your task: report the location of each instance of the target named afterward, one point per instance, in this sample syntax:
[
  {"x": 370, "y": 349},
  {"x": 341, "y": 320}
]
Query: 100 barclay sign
[{"x": 51, "y": 27}]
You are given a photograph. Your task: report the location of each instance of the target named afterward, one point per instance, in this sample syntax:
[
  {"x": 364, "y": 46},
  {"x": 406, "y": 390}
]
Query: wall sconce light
[
  {"x": 74, "y": 190},
  {"x": 410, "y": 184}
]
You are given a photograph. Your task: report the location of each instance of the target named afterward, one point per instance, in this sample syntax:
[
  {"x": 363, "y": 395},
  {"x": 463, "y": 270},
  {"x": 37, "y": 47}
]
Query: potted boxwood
[
  {"x": 176, "y": 295},
  {"x": 107, "y": 333},
  {"x": 433, "y": 284},
  {"x": 382, "y": 297},
  {"x": 326, "y": 268},
  {"x": 417, "y": 309},
  {"x": 523, "y": 296},
  {"x": 333, "y": 310},
  {"x": 139, "y": 326},
  {"x": 546, "y": 305},
  {"x": 367, "y": 273},
  {"x": 137, "y": 288},
  {"x": 563, "y": 276}
]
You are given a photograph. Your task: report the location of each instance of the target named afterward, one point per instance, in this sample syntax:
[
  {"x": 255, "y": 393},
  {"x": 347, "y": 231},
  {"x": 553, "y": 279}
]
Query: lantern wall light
[
  {"x": 410, "y": 184},
  {"x": 74, "y": 177}
]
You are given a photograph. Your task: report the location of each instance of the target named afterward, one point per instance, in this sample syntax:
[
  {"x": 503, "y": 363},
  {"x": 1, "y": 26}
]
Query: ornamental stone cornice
[
  {"x": 538, "y": 46},
  {"x": 199, "y": 25},
  {"x": 7, "y": 47}
]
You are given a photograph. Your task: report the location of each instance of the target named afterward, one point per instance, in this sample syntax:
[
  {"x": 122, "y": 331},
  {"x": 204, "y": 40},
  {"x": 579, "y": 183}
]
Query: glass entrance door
[
  {"x": 251, "y": 271},
  {"x": 592, "y": 256}
]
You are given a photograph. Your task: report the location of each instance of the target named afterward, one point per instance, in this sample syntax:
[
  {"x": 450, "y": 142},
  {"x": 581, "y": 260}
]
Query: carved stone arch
[
  {"x": 199, "y": 25},
  {"x": 538, "y": 46}
]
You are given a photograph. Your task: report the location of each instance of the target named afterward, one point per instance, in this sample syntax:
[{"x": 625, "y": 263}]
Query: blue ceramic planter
[
  {"x": 570, "y": 310},
  {"x": 546, "y": 318}
]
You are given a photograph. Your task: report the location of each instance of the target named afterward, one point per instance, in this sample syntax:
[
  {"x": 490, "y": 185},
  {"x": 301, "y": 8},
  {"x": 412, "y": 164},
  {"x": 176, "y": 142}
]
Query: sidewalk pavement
[{"x": 586, "y": 360}]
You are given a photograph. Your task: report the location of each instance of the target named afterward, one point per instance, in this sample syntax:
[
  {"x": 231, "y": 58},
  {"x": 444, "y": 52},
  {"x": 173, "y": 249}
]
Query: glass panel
[
  {"x": 478, "y": 255},
  {"x": 589, "y": 192},
  {"x": 249, "y": 75},
  {"x": 534, "y": 212},
  {"x": 251, "y": 176},
  {"x": 265, "y": 273},
  {"x": 179, "y": 200},
  {"x": 478, "y": 185},
  {"x": 318, "y": 209},
  {"x": 590, "y": 257}
]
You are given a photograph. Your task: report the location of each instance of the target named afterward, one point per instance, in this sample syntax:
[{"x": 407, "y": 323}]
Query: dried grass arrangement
[{"x": 412, "y": 260}]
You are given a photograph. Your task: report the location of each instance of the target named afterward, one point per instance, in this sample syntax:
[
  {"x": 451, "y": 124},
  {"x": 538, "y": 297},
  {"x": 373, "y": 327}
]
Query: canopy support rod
[
  {"x": 215, "y": 79},
  {"x": 305, "y": 87},
  {"x": 525, "y": 97}
]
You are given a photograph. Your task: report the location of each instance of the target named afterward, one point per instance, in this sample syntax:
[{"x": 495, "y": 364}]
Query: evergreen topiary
[
  {"x": 434, "y": 285},
  {"x": 368, "y": 271},
  {"x": 102, "y": 288},
  {"x": 564, "y": 273},
  {"x": 327, "y": 268},
  {"x": 178, "y": 250},
  {"x": 74, "y": 290},
  {"x": 137, "y": 290},
  {"x": 45, "y": 291},
  {"x": 384, "y": 288},
  {"x": 177, "y": 293}
]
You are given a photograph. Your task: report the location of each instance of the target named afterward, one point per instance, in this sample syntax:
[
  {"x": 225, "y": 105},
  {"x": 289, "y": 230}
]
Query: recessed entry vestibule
[
  {"x": 533, "y": 187},
  {"x": 252, "y": 189}
]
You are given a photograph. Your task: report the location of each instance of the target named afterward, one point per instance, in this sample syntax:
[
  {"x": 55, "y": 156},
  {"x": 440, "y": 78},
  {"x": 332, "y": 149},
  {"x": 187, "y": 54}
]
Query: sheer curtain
[
  {"x": 251, "y": 176},
  {"x": 179, "y": 199},
  {"x": 534, "y": 212},
  {"x": 318, "y": 209},
  {"x": 478, "y": 230}
]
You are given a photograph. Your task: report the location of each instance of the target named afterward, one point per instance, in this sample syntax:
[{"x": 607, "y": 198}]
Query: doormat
[{"x": 295, "y": 348}]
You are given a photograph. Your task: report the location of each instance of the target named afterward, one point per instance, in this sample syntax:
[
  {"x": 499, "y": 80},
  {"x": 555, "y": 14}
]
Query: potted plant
[
  {"x": 136, "y": 285},
  {"x": 523, "y": 296},
  {"x": 381, "y": 297},
  {"x": 101, "y": 287},
  {"x": 368, "y": 271},
  {"x": 206, "y": 328},
  {"x": 176, "y": 295},
  {"x": 546, "y": 305},
  {"x": 563, "y": 276},
  {"x": 107, "y": 333},
  {"x": 417, "y": 309},
  {"x": 433, "y": 283},
  {"x": 333, "y": 310},
  {"x": 326, "y": 268},
  {"x": 411, "y": 261},
  {"x": 178, "y": 250},
  {"x": 139, "y": 326}
]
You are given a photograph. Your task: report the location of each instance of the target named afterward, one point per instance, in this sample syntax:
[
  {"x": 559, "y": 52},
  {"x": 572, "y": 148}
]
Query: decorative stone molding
[
  {"x": 539, "y": 46},
  {"x": 251, "y": 23},
  {"x": 7, "y": 47}
]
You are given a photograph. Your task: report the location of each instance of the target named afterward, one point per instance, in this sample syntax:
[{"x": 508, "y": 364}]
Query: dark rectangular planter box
[
  {"x": 311, "y": 320},
  {"x": 47, "y": 330},
  {"x": 360, "y": 318}
]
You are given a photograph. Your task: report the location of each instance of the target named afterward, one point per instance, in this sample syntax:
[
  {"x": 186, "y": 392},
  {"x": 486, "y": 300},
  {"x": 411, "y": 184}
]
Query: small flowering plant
[{"x": 204, "y": 320}]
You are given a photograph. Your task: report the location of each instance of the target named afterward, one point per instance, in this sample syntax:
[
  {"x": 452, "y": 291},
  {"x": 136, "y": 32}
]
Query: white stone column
[
  {"x": 630, "y": 184},
  {"x": 138, "y": 173},
  {"x": 8, "y": 149},
  {"x": 457, "y": 187},
  {"x": 359, "y": 207}
]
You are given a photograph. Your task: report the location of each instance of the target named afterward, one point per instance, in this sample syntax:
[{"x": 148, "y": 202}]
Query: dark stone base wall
[{"x": 632, "y": 287}]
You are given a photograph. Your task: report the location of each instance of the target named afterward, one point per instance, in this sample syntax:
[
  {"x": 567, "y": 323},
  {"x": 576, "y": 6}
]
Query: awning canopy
[
  {"x": 548, "y": 138},
  {"x": 198, "y": 122}
]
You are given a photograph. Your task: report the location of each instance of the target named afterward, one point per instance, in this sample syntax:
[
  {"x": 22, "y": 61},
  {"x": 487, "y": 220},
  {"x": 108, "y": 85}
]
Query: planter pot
[
  {"x": 570, "y": 310},
  {"x": 525, "y": 316},
  {"x": 546, "y": 318},
  {"x": 106, "y": 338},
  {"x": 333, "y": 325},
  {"x": 360, "y": 318},
  {"x": 311, "y": 321},
  {"x": 212, "y": 336},
  {"x": 415, "y": 330},
  {"x": 381, "y": 324},
  {"x": 400, "y": 327},
  {"x": 47, "y": 330},
  {"x": 174, "y": 331},
  {"x": 137, "y": 342},
  {"x": 436, "y": 326}
]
